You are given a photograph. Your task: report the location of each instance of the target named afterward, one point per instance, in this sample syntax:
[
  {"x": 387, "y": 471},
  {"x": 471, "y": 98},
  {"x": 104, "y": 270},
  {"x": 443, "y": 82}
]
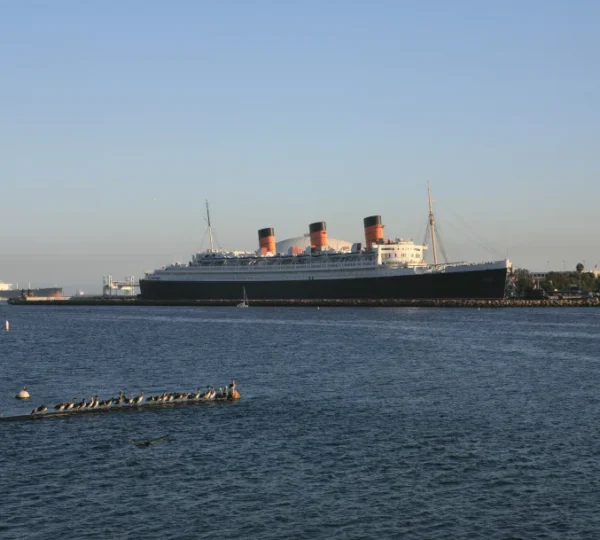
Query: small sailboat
[{"x": 244, "y": 302}]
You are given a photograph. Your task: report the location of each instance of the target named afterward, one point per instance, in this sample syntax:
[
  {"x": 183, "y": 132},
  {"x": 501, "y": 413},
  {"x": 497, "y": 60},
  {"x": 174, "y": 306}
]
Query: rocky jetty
[{"x": 387, "y": 302}]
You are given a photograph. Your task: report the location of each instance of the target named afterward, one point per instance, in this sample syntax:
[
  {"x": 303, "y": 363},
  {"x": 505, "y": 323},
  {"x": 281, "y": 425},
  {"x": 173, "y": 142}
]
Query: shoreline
[{"x": 438, "y": 303}]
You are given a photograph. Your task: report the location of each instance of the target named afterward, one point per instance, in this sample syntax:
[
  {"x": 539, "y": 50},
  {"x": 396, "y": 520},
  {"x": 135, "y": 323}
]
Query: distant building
[{"x": 541, "y": 276}]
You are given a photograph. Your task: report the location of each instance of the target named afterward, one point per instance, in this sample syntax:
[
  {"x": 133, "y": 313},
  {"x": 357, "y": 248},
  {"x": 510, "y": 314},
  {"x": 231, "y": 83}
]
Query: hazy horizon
[{"x": 120, "y": 119}]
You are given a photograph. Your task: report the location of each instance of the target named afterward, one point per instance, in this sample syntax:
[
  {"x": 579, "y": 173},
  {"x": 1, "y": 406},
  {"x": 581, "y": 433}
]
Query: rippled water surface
[{"x": 353, "y": 423}]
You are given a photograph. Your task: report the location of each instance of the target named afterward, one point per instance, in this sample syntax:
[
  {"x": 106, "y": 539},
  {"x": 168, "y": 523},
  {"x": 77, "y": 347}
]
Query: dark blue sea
[{"x": 353, "y": 423}]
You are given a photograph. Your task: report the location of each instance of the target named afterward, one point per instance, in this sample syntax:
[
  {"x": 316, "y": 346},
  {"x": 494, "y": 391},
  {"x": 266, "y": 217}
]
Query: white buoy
[
  {"x": 6, "y": 325},
  {"x": 23, "y": 393}
]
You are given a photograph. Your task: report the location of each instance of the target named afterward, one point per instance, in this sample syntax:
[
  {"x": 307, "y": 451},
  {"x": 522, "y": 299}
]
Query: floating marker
[
  {"x": 23, "y": 393},
  {"x": 6, "y": 326}
]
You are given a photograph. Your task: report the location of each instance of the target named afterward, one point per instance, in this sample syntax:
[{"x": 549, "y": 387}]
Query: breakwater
[{"x": 387, "y": 302}]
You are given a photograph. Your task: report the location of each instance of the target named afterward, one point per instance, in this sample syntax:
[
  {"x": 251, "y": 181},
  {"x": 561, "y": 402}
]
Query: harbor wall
[{"x": 430, "y": 303}]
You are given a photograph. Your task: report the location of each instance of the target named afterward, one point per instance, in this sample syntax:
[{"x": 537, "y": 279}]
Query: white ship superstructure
[{"x": 400, "y": 257}]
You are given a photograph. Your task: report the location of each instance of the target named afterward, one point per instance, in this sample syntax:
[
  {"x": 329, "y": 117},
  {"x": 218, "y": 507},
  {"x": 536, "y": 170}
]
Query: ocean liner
[{"x": 381, "y": 269}]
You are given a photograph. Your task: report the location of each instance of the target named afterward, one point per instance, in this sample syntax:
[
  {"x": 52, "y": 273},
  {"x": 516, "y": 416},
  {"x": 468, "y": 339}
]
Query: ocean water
[{"x": 353, "y": 423}]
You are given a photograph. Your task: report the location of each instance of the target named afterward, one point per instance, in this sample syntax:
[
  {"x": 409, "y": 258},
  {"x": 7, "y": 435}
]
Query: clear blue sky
[{"x": 118, "y": 119}]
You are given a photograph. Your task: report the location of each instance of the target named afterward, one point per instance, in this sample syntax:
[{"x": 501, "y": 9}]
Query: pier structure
[
  {"x": 227, "y": 394},
  {"x": 111, "y": 287}
]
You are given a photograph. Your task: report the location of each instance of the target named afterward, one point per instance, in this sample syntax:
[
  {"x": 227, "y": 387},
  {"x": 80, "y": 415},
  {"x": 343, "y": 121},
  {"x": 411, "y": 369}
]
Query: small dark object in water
[{"x": 149, "y": 442}]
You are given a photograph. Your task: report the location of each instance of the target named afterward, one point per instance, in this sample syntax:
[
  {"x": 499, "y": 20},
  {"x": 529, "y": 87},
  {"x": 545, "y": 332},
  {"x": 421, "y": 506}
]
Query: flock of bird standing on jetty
[{"x": 211, "y": 394}]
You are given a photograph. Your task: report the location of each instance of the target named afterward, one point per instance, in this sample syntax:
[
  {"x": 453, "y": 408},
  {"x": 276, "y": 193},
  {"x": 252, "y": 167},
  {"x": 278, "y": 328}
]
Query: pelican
[
  {"x": 232, "y": 392},
  {"x": 139, "y": 398},
  {"x": 194, "y": 395},
  {"x": 40, "y": 409}
]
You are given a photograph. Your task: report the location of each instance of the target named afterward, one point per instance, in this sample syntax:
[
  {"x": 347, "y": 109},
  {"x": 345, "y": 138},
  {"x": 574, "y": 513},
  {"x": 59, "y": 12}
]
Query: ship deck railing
[{"x": 270, "y": 267}]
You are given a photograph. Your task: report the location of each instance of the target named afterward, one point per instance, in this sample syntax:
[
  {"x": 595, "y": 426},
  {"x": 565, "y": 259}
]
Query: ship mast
[
  {"x": 432, "y": 225},
  {"x": 209, "y": 227}
]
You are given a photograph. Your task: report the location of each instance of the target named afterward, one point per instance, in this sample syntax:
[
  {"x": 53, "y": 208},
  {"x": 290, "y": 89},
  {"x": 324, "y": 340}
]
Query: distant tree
[
  {"x": 547, "y": 285},
  {"x": 579, "y": 268},
  {"x": 587, "y": 281},
  {"x": 560, "y": 280},
  {"x": 523, "y": 281}
]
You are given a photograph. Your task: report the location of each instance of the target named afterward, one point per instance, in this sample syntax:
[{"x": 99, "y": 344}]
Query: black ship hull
[
  {"x": 476, "y": 284},
  {"x": 43, "y": 292}
]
